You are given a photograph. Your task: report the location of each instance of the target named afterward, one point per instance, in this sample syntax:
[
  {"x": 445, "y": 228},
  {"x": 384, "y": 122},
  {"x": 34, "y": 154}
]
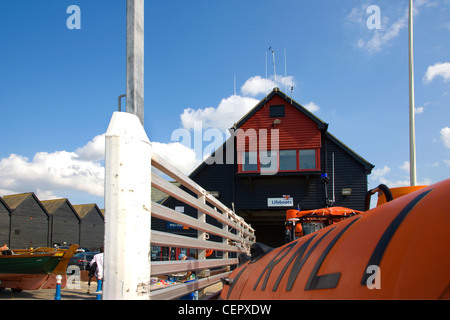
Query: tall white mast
[{"x": 412, "y": 134}]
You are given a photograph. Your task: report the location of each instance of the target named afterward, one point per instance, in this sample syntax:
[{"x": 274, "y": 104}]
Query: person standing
[{"x": 98, "y": 259}]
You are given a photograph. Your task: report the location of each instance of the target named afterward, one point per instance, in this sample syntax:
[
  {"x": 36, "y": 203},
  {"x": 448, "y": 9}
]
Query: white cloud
[
  {"x": 375, "y": 40},
  {"x": 405, "y": 166},
  {"x": 377, "y": 173},
  {"x": 438, "y": 70},
  {"x": 48, "y": 174},
  {"x": 383, "y": 36},
  {"x": 312, "y": 107},
  {"x": 179, "y": 155},
  {"x": 445, "y": 136},
  {"x": 233, "y": 108},
  {"x": 94, "y": 150},
  {"x": 222, "y": 117},
  {"x": 419, "y": 110},
  {"x": 257, "y": 85}
]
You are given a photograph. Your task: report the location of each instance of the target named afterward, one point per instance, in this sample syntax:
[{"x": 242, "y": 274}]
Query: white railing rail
[
  {"x": 237, "y": 235},
  {"x": 128, "y": 211}
]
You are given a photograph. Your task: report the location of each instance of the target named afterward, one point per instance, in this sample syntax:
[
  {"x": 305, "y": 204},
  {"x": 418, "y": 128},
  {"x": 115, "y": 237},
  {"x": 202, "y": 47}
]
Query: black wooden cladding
[
  {"x": 25, "y": 222},
  {"x": 249, "y": 192}
]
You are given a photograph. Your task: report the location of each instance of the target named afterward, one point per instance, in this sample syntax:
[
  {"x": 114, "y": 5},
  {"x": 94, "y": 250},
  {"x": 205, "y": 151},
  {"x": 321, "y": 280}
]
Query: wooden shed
[
  {"x": 64, "y": 222},
  {"x": 92, "y": 226},
  {"x": 5, "y": 216},
  {"x": 29, "y": 222}
]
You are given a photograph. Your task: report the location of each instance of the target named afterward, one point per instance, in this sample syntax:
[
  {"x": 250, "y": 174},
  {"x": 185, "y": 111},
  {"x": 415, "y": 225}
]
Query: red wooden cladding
[{"x": 296, "y": 130}]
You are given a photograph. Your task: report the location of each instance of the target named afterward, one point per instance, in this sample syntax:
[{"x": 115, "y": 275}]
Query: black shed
[
  {"x": 29, "y": 222},
  {"x": 64, "y": 222}
]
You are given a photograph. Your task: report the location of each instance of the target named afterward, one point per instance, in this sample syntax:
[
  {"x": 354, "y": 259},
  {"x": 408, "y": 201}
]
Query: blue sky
[{"x": 59, "y": 86}]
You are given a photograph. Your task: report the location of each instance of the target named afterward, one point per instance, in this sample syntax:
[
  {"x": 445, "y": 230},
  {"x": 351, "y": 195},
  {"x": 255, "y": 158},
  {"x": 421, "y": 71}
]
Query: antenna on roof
[
  {"x": 234, "y": 102},
  {"x": 265, "y": 82},
  {"x": 292, "y": 90},
  {"x": 285, "y": 69},
  {"x": 274, "y": 69}
]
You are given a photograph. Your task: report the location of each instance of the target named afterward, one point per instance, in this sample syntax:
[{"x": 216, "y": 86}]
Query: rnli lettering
[
  {"x": 300, "y": 256},
  {"x": 378, "y": 252},
  {"x": 327, "y": 281}
]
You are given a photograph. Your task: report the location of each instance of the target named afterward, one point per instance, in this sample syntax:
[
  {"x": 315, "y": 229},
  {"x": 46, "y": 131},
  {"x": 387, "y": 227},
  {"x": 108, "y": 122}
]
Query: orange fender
[{"x": 399, "y": 250}]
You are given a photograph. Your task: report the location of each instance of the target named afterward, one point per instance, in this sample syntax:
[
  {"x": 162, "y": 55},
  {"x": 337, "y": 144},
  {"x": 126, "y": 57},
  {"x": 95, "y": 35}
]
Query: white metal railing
[
  {"x": 237, "y": 235},
  {"x": 128, "y": 210}
]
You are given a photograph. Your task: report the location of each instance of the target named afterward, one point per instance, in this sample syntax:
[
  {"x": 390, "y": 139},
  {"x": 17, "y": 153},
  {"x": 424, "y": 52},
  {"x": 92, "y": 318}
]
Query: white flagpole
[{"x": 412, "y": 134}]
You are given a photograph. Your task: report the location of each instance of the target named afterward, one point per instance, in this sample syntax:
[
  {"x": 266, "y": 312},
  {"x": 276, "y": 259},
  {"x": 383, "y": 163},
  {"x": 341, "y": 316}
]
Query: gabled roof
[
  {"x": 13, "y": 201},
  {"x": 84, "y": 209},
  {"x": 367, "y": 165},
  {"x": 53, "y": 205},
  {"x": 5, "y": 205},
  {"x": 320, "y": 123}
]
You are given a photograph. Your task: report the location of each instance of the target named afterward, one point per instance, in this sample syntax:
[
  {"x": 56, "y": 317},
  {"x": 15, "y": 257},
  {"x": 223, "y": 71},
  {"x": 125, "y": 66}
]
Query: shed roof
[
  {"x": 5, "y": 205},
  {"x": 15, "y": 200},
  {"x": 84, "y": 209},
  {"x": 53, "y": 205}
]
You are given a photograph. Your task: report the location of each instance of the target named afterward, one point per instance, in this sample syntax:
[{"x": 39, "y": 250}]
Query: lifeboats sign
[{"x": 286, "y": 201}]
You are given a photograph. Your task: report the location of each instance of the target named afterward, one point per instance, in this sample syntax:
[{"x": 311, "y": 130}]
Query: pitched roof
[
  {"x": 53, "y": 205},
  {"x": 320, "y": 123},
  {"x": 5, "y": 205},
  {"x": 84, "y": 209},
  {"x": 13, "y": 201}
]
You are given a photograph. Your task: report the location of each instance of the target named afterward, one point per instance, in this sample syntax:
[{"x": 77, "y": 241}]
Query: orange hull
[
  {"x": 31, "y": 281},
  {"x": 399, "y": 250}
]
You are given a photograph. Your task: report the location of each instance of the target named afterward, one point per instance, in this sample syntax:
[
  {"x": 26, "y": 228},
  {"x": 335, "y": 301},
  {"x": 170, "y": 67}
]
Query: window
[
  {"x": 278, "y": 161},
  {"x": 307, "y": 159},
  {"x": 249, "y": 161},
  {"x": 276, "y": 111},
  {"x": 288, "y": 160},
  {"x": 268, "y": 161}
]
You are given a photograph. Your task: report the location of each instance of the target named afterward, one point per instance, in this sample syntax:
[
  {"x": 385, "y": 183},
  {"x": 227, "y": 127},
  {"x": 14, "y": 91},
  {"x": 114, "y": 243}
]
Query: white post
[
  {"x": 135, "y": 58},
  {"x": 412, "y": 129},
  {"x": 127, "y": 209}
]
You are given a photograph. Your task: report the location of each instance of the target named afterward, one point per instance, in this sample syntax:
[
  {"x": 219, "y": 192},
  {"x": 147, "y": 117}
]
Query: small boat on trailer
[{"x": 34, "y": 269}]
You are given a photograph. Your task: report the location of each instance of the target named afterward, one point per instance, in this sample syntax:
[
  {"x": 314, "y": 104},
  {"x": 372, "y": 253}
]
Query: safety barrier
[
  {"x": 236, "y": 234},
  {"x": 128, "y": 210}
]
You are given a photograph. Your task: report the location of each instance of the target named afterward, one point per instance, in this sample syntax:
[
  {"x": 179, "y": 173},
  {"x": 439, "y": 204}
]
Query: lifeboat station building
[{"x": 282, "y": 158}]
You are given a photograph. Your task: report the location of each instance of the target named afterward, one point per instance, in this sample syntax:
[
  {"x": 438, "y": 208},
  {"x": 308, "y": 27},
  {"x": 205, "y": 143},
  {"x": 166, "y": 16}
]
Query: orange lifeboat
[{"x": 398, "y": 250}]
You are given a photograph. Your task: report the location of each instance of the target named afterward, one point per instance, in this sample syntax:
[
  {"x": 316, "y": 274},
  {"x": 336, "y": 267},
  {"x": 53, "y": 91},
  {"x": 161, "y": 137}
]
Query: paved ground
[{"x": 77, "y": 292}]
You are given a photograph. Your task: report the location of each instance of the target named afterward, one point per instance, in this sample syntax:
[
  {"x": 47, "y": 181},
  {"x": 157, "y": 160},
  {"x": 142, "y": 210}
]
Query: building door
[{"x": 269, "y": 225}]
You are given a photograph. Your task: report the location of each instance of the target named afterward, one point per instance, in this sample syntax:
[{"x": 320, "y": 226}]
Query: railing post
[
  {"x": 127, "y": 210},
  {"x": 201, "y": 254},
  {"x": 225, "y": 240}
]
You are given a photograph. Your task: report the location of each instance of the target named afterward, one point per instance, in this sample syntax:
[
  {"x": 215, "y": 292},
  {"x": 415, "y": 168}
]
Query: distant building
[
  {"x": 29, "y": 224},
  {"x": 64, "y": 222},
  {"x": 92, "y": 229},
  {"x": 5, "y": 216},
  {"x": 279, "y": 155}
]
